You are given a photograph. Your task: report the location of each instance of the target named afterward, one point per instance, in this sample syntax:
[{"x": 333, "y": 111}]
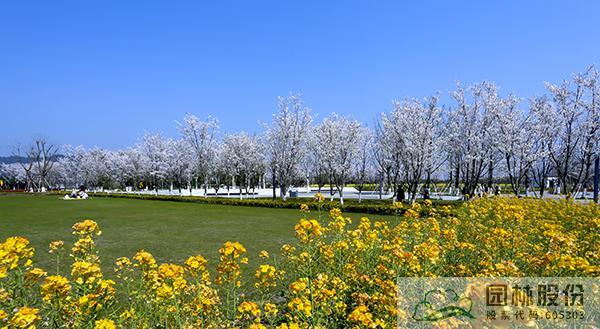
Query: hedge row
[{"x": 369, "y": 206}]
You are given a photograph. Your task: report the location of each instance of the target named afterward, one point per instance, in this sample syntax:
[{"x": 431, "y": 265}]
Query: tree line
[{"x": 482, "y": 137}]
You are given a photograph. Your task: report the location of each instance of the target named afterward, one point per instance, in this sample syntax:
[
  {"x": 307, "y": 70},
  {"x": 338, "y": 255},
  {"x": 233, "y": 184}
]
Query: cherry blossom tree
[
  {"x": 543, "y": 126},
  {"x": 362, "y": 170},
  {"x": 244, "y": 157},
  {"x": 286, "y": 138},
  {"x": 200, "y": 135},
  {"x": 576, "y": 112},
  {"x": 472, "y": 133},
  {"x": 516, "y": 142},
  {"x": 339, "y": 139},
  {"x": 313, "y": 166},
  {"x": 180, "y": 163},
  {"x": 223, "y": 174},
  {"x": 387, "y": 155},
  {"x": 155, "y": 148},
  {"x": 12, "y": 174},
  {"x": 416, "y": 127},
  {"x": 69, "y": 166},
  {"x": 96, "y": 166}
]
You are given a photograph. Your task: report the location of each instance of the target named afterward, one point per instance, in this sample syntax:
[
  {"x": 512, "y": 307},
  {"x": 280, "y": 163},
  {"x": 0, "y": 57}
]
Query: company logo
[{"x": 439, "y": 304}]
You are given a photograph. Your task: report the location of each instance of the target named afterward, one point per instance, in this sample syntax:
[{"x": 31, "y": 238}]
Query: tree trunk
[
  {"x": 400, "y": 193},
  {"x": 283, "y": 192},
  {"x": 330, "y": 191},
  {"x": 381, "y": 186},
  {"x": 457, "y": 177},
  {"x": 490, "y": 177},
  {"x": 542, "y": 187},
  {"x": 274, "y": 187}
]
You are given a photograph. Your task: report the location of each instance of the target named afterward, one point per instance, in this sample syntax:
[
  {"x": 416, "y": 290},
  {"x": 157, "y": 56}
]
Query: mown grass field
[
  {"x": 171, "y": 231},
  {"x": 332, "y": 275}
]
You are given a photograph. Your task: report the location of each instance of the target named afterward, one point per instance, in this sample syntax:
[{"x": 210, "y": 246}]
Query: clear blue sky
[{"x": 100, "y": 73}]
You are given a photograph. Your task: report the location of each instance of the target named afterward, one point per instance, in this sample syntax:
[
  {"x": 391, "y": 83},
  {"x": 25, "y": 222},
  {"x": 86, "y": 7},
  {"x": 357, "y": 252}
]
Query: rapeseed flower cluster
[{"x": 337, "y": 273}]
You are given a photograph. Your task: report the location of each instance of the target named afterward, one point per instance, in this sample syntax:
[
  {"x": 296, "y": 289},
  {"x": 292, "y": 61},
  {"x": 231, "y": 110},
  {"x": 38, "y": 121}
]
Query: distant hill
[
  {"x": 15, "y": 159},
  {"x": 9, "y": 159}
]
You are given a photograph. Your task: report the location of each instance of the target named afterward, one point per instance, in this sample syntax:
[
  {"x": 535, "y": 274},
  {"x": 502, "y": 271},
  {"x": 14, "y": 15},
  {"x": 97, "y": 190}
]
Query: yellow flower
[
  {"x": 170, "y": 271},
  {"x": 270, "y": 309},
  {"x": 85, "y": 272},
  {"x": 304, "y": 208},
  {"x": 228, "y": 268},
  {"x": 105, "y": 324},
  {"x": 144, "y": 259},
  {"x": 307, "y": 230},
  {"x": 35, "y": 274},
  {"x": 55, "y": 245},
  {"x": 207, "y": 299},
  {"x": 397, "y": 205},
  {"x": 234, "y": 249},
  {"x": 263, "y": 254},
  {"x": 361, "y": 315},
  {"x": 123, "y": 262},
  {"x": 55, "y": 286},
  {"x": 127, "y": 314},
  {"x": 83, "y": 246},
  {"x": 335, "y": 212},
  {"x": 249, "y": 308},
  {"x": 298, "y": 285},
  {"x": 411, "y": 213},
  {"x": 14, "y": 251},
  {"x": 89, "y": 304},
  {"x": 86, "y": 227},
  {"x": 287, "y": 249},
  {"x": 319, "y": 197},
  {"x": 196, "y": 263},
  {"x": 301, "y": 305},
  {"x": 267, "y": 276},
  {"x": 106, "y": 288},
  {"x": 164, "y": 291},
  {"x": 25, "y": 317}
]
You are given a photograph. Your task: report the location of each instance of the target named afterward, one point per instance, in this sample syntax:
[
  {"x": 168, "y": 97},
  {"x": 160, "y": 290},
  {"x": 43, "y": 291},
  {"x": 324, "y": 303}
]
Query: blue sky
[{"x": 101, "y": 73}]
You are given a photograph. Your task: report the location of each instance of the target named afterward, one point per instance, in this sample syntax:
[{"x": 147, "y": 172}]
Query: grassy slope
[{"x": 169, "y": 230}]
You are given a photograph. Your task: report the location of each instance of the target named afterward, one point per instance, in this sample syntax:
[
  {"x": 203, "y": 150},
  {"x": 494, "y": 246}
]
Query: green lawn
[{"x": 171, "y": 231}]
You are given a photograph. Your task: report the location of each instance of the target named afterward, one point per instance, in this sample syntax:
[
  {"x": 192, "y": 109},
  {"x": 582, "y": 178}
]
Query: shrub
[{"x": 379, "y": 207}]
